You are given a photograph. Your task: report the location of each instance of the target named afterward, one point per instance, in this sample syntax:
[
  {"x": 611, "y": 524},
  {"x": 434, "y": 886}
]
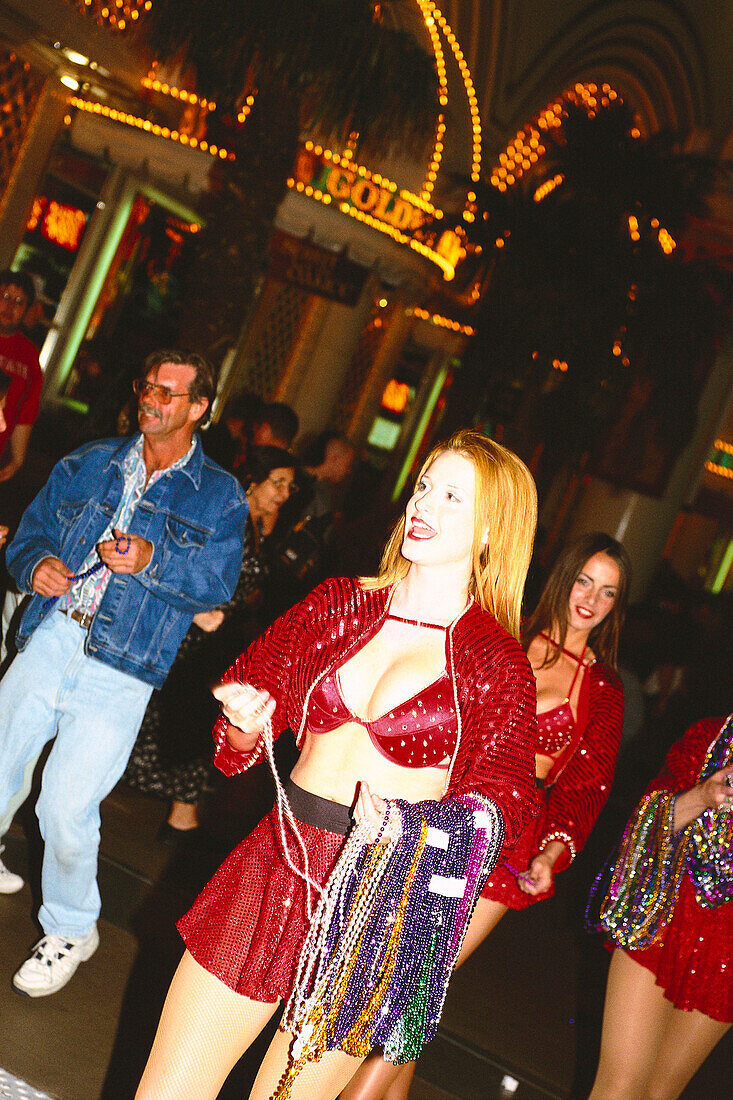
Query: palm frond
[{"x": 352, "y": 71}]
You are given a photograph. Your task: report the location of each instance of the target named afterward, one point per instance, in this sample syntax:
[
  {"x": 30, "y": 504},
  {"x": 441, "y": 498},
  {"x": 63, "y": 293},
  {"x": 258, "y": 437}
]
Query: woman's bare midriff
[
  {"x": 333, "y": 764},
  {"x": 543, "y": 765}
]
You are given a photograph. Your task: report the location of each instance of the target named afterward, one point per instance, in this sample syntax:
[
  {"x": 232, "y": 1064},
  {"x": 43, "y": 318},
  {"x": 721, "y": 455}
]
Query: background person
[
  {"x": 19, "y": 360},
  {"x": 426, "y": 648},
  {"x": 249, "y": 421},
  {"x": 5, "y": 384},
  {"x": 21, "y": 399},
  {"x": 306, "y": 528},
  {"x": 172, "y": 755},
  {"x": 125, "y": 543},
  {"x": 668, "y": 1004},
  {"x": 10, "y": 883},
  {"x": 571, "y": 641},
  {"x": 228, "y": 440},
  {"x": 275, "y": 425}
]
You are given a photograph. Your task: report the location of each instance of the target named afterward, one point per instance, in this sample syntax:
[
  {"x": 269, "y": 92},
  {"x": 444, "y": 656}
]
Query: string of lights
[
  {"x": 119, "y": 15},
  {"x": 115, "y": 115},
  {"x": 151, "y": 82},
  {"x": 436, "y": 23},
  {"x": 721, "y": 460},
  {"x": 441, "y": 321}
]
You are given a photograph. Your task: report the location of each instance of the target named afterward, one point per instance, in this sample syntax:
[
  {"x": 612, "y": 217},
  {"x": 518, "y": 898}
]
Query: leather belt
[{"x": 81, "y": 617}]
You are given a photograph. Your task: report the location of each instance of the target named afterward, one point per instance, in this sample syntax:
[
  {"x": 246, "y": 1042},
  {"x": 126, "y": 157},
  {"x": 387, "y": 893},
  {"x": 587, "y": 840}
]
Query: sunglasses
[
  {"x": 161, "y": 394},
  {"x": 16, "y": 300}
]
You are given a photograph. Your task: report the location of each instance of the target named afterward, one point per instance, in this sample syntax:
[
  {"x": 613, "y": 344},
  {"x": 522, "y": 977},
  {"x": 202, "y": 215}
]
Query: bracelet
[
  {"x": 222, "y": 735},
  {"x": 566, "y": 840}
]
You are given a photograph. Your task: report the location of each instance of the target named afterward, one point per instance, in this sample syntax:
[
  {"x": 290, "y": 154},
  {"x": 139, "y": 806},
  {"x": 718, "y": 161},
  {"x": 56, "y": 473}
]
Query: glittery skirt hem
[
  {"x": 501, "y": 885},
  {"x": 694, "y": 962},
  {"x": 248, "y": 925}
]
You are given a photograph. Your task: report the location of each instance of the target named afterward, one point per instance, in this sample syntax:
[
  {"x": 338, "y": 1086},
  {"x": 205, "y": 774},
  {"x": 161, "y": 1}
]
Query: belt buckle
[{"x": 82, "y": 618}]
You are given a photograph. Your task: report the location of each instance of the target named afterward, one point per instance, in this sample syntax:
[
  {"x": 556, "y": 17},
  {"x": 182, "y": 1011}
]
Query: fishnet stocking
[
  {"x": 204, "y": 1029},
  {"x": 322, "y": 1080},
  {"x": 380, "y": 1080}
]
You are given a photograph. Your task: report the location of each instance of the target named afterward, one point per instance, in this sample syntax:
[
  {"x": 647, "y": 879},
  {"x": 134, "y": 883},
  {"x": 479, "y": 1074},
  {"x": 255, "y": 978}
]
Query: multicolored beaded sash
[
  {"x": 710, "y": 844},
  {"x": 387, "y": 930},
  {"x": 640, "y": 898}
]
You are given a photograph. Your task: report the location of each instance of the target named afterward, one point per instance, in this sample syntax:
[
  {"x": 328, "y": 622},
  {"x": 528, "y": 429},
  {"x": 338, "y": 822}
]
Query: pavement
[{"x": 522, "y": 1017}]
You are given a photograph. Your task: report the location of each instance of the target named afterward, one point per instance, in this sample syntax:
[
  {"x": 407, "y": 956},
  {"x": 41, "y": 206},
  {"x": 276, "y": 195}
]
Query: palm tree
[
  {"x": 580, "y": 282},
  {"x": 340, "y": 69}
]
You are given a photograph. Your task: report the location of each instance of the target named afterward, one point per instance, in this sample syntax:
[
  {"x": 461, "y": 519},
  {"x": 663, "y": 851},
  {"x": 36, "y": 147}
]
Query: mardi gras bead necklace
[
  {"x": 640, "y": 899},
  {"x": 710, "y": 846},
  {"x": 94, "y": 568}
]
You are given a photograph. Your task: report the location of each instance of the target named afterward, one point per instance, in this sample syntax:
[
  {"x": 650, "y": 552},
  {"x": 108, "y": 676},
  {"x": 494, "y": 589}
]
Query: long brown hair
[
  {"x": 551, "y": 614},
  {"x": 505, "y": 506}
]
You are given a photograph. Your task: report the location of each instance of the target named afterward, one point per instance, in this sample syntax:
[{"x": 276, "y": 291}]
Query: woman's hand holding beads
[
  {"x": 370, "y": 812},
  {"x": 714, "y": 793},
  {"x": 247, "y": 711}
]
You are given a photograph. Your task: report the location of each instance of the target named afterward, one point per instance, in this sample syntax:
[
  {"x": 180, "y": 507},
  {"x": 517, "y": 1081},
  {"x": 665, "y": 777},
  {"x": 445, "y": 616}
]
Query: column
[{"x": 644, "y": 523}]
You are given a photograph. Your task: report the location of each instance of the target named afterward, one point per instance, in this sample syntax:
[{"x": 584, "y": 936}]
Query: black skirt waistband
[{"x": 311, "y": 809}]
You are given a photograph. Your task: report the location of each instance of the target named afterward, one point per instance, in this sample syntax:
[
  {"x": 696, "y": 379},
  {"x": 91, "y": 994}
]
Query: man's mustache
[{"x": 150, "y": 411}]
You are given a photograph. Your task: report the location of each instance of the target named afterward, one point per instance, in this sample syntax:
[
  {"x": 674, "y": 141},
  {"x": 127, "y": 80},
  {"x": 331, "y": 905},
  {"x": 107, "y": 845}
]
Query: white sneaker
[
  {"x": 9, "y": 883},
  {"x": 53, "y": 962}
]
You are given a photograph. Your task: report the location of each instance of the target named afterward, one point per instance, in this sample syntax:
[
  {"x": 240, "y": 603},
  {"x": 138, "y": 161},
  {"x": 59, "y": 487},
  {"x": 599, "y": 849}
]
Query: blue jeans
[{"x": 52, "y": 689}]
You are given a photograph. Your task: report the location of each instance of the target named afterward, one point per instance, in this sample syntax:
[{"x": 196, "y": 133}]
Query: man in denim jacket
[{"x": 127, "y": 541}]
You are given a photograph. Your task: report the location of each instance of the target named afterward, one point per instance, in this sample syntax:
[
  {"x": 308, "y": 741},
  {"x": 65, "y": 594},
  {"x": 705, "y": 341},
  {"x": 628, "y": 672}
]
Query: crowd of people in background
[{"x": 141, "y": 566}]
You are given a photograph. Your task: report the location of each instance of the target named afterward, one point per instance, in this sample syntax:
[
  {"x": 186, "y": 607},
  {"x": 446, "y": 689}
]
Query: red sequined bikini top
[
  {"x": 419, "y": 733},
  {"x": 557, "y": 726}
]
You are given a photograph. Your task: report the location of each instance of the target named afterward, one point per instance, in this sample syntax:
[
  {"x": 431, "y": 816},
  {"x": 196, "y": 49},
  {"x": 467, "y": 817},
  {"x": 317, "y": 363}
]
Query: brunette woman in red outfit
[
  {"x": 346, "y": 669},
  {"x": 668, "y": 1005},
  {"x": 571, "y": 641}
]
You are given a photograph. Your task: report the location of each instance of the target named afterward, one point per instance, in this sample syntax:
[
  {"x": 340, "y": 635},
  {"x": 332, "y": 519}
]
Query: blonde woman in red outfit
[
  {"x": 571, "y": 641},
  {"x": 408, "y": 685}
]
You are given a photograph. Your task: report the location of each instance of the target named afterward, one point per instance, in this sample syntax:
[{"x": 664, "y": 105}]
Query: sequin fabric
[
  {"x": 419, "y": 733},
  {"x": 555, "y": 728},
  {"x": 248, "y": 925},
  {"x": 490, "y": 679},
  {"x": 694, "y": 962},
  {"x": 570, "y": 807}
]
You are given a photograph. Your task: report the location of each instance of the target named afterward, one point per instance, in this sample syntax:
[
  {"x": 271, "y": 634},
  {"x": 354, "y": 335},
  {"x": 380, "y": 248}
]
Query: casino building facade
[{"x": 362, "y": 319}]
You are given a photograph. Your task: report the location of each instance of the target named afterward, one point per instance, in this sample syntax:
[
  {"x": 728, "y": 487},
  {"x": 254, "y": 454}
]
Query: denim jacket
[{"x": 194, "y": 517}]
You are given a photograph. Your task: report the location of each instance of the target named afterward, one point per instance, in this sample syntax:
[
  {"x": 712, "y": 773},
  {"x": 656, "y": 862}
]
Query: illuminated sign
[
  {"x": 396, "y": 395},
  {"x": 58, "y": 223},
  {"x": 39, "y": 205},
  {"x": 359, "y": 189},
  {"x": 384, "y": 434},
  {"x": 304, "y": 264},
  {"x": 370, "y": 197},
  {"x": 63, "y": 225}
]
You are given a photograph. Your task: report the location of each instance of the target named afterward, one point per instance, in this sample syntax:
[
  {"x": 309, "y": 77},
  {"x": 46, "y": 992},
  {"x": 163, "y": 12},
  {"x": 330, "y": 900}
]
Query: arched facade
[{"x": 500, "y": 63}]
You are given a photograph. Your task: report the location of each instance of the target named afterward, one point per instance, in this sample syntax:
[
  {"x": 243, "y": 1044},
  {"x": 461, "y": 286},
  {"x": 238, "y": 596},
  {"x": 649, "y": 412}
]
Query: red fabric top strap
[{"x": 581, "y": 722}]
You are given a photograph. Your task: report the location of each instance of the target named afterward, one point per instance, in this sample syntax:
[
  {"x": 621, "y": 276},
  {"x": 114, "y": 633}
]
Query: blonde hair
[{"x": 505, "y": 509}]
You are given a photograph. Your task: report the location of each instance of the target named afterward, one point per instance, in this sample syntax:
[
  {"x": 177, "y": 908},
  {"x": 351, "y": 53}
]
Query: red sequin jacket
[
  {"x": 685, "y": 759},
  {"x": 492, "y": 682},
  {"x": 577, "y": 796}
]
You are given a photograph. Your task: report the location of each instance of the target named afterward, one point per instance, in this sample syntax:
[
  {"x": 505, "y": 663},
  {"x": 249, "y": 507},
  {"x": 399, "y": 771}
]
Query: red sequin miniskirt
[
  {"x": 248, "y": 925},
  {"x": 501, "y": 884},
  {"x": 694, "y": 962}
]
